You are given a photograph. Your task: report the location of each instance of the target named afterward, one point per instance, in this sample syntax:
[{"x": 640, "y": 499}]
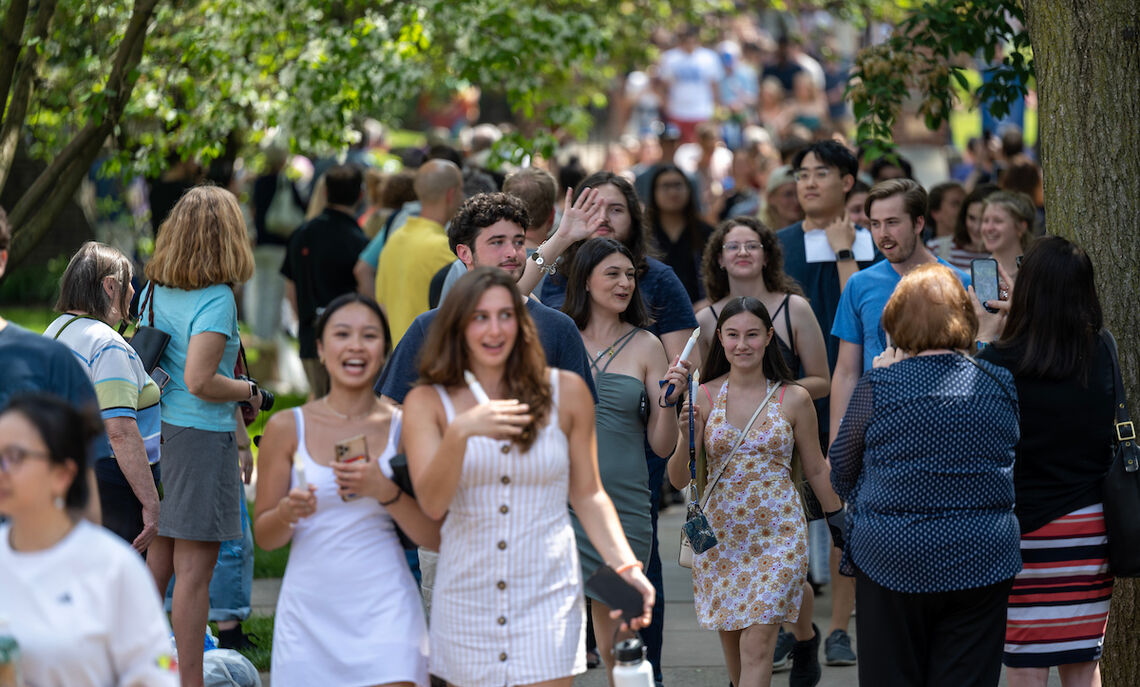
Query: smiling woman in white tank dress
[
  {"x": 507, "y": 606},
  {"x": 349, "y": 611}
]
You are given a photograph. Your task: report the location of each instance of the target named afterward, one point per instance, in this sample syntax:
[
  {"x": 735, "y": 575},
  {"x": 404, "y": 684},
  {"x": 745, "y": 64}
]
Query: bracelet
[
  {"x": 399, "y": 493},
  {"x": 627, "y": 566},
  {"x": 548, "y": 267},
  {"x": 662, "y": 402}
]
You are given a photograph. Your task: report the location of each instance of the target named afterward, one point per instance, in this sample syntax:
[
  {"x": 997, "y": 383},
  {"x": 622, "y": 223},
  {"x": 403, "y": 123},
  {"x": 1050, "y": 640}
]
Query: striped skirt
[{"x": 1058, "y": 608}]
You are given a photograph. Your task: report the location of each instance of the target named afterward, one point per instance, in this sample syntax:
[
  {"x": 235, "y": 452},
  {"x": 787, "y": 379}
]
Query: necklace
[{"x": 343, "y": 416}]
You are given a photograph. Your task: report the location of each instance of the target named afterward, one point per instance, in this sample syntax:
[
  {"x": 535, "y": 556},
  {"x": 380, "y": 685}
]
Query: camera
[{"x": 267, "y": 397}]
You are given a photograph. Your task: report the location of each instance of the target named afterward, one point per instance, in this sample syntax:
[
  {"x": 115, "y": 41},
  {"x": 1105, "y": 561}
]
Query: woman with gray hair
[{"x": 94, "y": 297}]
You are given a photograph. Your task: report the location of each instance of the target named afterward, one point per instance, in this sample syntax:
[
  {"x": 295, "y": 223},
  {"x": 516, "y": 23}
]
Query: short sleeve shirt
[
  {"x": 857, "y": 319},
  {"x": 184, "y": 314},
  {"x": 122, "y": 387},
  {"x": 29, "y": 363},
  {"x": 410, "y": 259}
]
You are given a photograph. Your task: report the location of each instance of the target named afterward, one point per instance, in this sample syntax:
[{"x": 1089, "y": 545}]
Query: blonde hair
[{"x": 203, "y": 242}]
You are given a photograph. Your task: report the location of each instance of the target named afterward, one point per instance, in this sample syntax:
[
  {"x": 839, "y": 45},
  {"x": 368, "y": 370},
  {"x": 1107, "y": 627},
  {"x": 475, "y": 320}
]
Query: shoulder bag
[
  {"x": 697, "y": 535},
  {"x": 1121, "y": 486},
  {"x": 149, "y": 342}
]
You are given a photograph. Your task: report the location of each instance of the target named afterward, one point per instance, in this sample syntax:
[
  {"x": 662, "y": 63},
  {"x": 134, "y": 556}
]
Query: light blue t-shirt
[
  {"x": 857, "y": 319},
  {"x": 183, "y": 314}
]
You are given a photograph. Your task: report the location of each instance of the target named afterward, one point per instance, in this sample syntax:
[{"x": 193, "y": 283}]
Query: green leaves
[{"x": 929, "y": 49}]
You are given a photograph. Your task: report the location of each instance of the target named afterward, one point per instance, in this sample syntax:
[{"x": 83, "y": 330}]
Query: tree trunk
[
  {"x": 27, "y": 71},
  {"x": 32, "y": 216},
  {"x": 10, "y": 35},
  {"x": 1087, "y": 55}
]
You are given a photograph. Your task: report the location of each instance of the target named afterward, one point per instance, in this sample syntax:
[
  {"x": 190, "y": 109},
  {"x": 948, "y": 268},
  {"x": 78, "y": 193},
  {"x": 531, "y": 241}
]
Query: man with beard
[
  {"x": 897, "y": 212},
  {"x": 489, "y": 230}
]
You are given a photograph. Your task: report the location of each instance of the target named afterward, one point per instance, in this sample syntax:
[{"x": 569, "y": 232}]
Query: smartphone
[
  {"x": 349, "y": 451},
  {"x": 615, "y": 592},
  {"x": 984, "y": 275},
  {"x": 160, "y": 377}
]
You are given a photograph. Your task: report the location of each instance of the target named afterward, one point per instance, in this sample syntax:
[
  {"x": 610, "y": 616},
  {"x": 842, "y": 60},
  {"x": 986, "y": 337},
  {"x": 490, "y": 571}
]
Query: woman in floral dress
[{"x": 752, "y": 580}]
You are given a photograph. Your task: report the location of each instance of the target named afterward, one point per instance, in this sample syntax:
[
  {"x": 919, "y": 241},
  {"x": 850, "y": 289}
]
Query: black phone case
[{"x": 615, "y": 592}]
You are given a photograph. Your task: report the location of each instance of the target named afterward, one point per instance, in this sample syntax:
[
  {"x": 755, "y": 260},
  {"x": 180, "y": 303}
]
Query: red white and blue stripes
[{"x": 1058, "y": 608}]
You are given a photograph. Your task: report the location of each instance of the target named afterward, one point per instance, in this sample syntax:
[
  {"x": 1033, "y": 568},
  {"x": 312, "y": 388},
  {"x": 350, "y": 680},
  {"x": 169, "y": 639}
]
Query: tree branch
[
  {"x": 32, "y": 215},
  {"x": 10, "y": 35},
  {"x": 32, "y": 231},
  {"x": 27, "y": 68}
]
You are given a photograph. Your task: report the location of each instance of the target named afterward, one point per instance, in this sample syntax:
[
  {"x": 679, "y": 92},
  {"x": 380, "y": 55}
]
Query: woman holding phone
[
  {"x": 349, "y": 606},
  {"x": 755, "y": 431},
  {"x": 627, "y": 362},
  {"x": 507, "y": 606},
  {"x": 1049, "y": 337}
]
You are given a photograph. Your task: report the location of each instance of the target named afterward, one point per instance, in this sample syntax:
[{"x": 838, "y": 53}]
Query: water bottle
[
  {"x": 630, "y": 667},
  {"x": 10, "y": 675}
]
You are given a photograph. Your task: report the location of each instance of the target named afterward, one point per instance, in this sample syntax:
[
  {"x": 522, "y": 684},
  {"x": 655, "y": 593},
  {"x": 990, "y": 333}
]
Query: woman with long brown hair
[{"x": 507, "y": 605}]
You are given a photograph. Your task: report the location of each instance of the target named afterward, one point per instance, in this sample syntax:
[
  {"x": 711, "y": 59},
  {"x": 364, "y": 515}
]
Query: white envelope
[{"x": 817, "y": 249}]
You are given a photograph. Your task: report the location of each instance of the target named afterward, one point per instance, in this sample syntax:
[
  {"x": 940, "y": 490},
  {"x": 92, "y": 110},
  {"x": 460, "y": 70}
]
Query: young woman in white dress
[{"x": 349, "y": 608}]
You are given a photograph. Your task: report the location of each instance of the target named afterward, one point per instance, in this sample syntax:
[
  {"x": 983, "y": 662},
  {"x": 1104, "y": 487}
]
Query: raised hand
[
  {"x": 841, "y": 233},
  {"x": 582, "y": 218}
]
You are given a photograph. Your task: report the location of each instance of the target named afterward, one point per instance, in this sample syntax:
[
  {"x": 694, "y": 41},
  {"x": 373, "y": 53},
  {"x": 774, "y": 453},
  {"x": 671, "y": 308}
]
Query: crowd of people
[{"x": 498, "y": 391}]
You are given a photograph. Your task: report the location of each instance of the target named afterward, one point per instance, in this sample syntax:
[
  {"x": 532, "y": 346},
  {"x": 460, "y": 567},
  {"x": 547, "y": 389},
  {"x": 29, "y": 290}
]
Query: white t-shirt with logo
[
  {"x": 692, "y": 78},
  {"x": 85, "y": 613}
]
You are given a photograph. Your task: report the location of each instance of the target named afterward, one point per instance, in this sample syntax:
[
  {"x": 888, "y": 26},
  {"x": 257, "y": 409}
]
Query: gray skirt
[{"x": 201, "y": 483}]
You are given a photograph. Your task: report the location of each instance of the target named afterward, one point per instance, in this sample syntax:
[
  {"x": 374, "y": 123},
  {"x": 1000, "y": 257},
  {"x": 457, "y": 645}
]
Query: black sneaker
[
  {"x": 236, "y": 639},
  {"x": 837, "y": 649},
  {"x": 784, "y": 642},
  {"x": 806, "y": 671}
]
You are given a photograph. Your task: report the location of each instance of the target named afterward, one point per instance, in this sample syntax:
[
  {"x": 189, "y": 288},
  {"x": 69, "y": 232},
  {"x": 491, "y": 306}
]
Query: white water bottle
[{"x": 630, "y": 667}]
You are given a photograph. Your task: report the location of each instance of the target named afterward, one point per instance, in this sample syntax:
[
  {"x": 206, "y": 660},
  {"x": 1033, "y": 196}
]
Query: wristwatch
[{"x": 844, "y": 254}]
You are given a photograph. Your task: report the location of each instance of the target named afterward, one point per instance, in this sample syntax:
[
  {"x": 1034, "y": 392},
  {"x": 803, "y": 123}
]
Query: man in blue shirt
[
  {"x": 489, "y": 231},
  {"x": 897, "y": 210}
]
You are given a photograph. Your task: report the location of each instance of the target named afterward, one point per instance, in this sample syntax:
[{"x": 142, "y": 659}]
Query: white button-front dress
[{"x": 507, "y": 607}]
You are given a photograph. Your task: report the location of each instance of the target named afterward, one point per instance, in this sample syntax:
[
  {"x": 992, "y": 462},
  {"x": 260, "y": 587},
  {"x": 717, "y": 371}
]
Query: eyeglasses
[
  {"x": 820, "y": 174},
  {"x": 748, "y": 246},
  {"x": 12, "y": 456}
]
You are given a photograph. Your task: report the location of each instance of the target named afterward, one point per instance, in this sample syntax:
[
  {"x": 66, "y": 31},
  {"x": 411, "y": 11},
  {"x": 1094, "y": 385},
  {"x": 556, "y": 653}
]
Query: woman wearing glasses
[
  {"x": 77, "y": 599},
  {"x": 743, "y": 258}
]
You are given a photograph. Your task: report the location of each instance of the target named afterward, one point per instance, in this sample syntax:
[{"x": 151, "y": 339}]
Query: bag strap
[
  {"x": 992, "y": 376},
  {"x": 73, "y": 318},
  {"x": 1125, "y": 430},
  {"x": 739, "y": 441}
]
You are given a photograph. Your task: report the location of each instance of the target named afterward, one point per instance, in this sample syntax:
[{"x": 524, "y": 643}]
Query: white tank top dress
[
  {"x": 507, "y": 607},
  {"x": 349, "y": 611}
]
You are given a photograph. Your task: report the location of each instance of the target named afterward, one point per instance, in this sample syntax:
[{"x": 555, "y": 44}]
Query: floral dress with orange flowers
[{"x": 755, "y": 573}]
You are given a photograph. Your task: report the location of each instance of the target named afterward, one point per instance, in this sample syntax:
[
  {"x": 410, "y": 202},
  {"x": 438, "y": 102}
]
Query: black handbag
[
  {"x": 1121, "y": 487},
  {"x": 149, "y": 342}
]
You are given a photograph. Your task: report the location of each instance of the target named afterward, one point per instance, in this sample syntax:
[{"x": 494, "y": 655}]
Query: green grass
[
  {"x": 261, "y": 626},
  {"x": 269, "y": 563},
  {"x": 31, "y": 318}
]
